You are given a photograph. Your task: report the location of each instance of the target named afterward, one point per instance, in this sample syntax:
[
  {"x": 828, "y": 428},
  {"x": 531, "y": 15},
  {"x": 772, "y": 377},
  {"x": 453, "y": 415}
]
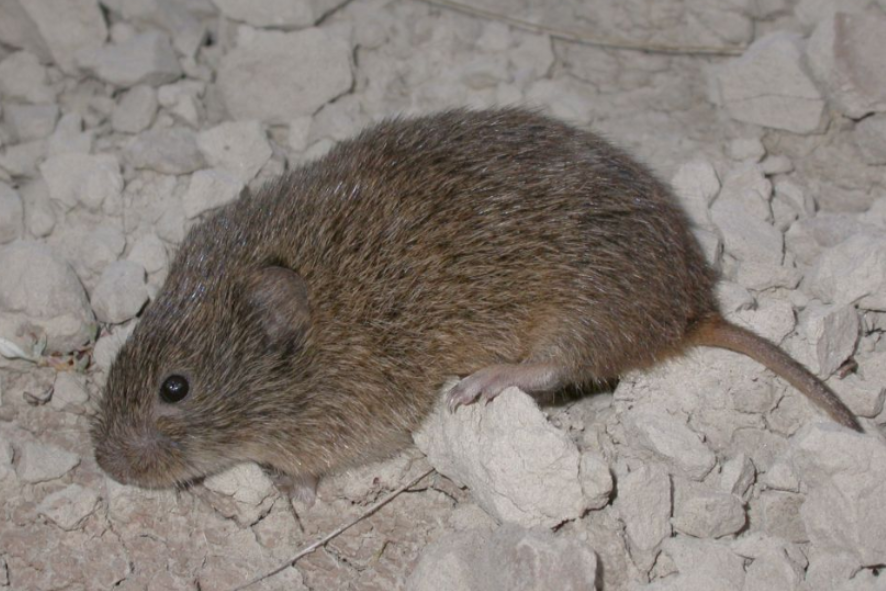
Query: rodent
[{"x": 311, "y": 326}]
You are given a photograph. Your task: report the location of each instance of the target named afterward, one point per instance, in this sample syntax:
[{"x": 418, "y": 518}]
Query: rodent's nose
[
  {"x": 130, "y": 460},
  {"x": 111, "y": 465}
]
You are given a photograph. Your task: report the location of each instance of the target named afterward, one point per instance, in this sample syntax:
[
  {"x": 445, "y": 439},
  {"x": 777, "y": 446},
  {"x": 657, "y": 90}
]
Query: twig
[
  {"x": 336, "y": 532},
  {"x": 584, "y": 39}
]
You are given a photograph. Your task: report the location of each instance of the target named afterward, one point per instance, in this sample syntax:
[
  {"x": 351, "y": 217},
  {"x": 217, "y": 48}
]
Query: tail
[{"x": 715, "y": 331}]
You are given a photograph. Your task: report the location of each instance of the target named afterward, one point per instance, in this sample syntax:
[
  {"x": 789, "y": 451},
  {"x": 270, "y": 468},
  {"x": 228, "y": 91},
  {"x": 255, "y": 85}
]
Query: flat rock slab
[
  {"x": 519, "y": 467},
  {"x": 508, "y": 558},
  {"x": 768, "y": 86},
  {"x": 277, "y": 77}
]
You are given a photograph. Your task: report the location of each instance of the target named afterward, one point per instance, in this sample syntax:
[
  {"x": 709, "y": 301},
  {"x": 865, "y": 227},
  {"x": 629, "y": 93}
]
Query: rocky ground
[{"x": 124, "y": 121}]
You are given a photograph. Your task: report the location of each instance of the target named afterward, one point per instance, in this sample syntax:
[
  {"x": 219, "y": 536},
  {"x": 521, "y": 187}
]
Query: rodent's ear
[{"x": 277, "y": 299}]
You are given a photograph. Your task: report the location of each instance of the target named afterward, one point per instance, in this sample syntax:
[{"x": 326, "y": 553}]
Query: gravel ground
[{"x": 124, "y": 121}]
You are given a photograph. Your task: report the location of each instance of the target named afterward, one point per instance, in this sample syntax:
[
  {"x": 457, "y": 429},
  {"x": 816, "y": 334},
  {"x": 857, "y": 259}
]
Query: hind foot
[
  {"x": 489, "y": 382},
  {"x": 297, "y": 488}
]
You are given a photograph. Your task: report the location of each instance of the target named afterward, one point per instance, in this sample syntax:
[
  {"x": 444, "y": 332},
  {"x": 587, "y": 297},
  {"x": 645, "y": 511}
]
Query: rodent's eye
[{"x": 174, "y": 389}]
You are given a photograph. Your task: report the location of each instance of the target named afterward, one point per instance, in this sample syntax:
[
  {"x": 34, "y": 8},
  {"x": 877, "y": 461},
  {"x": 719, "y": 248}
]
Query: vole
[{"x": 310, "y": 327}]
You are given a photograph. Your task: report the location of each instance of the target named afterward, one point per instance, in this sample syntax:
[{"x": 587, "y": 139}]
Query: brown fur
[{"x": 430, "y": 247}]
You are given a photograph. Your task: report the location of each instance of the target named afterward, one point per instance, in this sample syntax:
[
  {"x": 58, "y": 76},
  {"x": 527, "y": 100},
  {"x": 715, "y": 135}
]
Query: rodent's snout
[{"x": 136, "y": 459}]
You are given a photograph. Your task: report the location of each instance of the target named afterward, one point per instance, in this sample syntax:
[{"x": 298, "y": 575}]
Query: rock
[
  {"x": 771, "y": 569},
  {"x": 65, "y": 28},
  {"x": 246, "y": 483},
  {"x": 169, "y": 151},
  {"x": 790, "y": 203},
  {"x": 182, "y": 100},
  {"x": 807, "y": 238},
  {"x": 869, "y": 136},
  {"x": 6, "y": 457},
  {"x": 603, "y": 532},
  {"x": 136, "y": 109},
  {"x": 40, "y": 293},
  {"x": 781, "y": 476},
  {"x": 245, "y": 493},
  {"x": 734, "y": 297},
  {"x": 596, "y": 480},
  {"x": 519, "y": 467},
  {"x": 39, "y": 216},
  {"x": 767, "y": 86},
  {"x": 696, "y": 184},
  {"x": 88, "y": 251},
  {"x": 746, "y": 236},
  {"x": 833, "y": 331},
  {"x": 69, "y": 137},
  {"x": 21, "y": 160},
  {"x": 241, "y": 148},
  {"x": 146, "y": 58},
  {"x": 761, "y": 446},
  {"x": 182, "y": 20},
  {"x": 280, "y": 14},
  {"x": 365, "y": 482},
  {"x": 339, "y": 120},
  {"x": 737, "y": 476},
  {"x": 780, "y": 515},
  {"x": 299, "y": 131},
  {"x": 40, "y": 462},
  {"x": 532, "y": 57},
  {"x": 22, "y": 78},
  {"x": 11, "y": 214},
  {"x": 17, "y": 30},
  {"x": 109, "y": 343},
  {"x": 703, "y": 565},
  {"x": 259, "y": 79},
  {"x": 565, "y": 99},
  {"x": 746, "y": 149},
  {"x": 473, "y": 561},
  {"x": 853, "y": 272},
  {"x": 149, "y": 252},
  {"x": 67, "y": 508},
  {"x": 757, "y": 400},
  {"x": 670, "y": 440},
  {"x": 777, "y": 164},
  {"x": 773, "y": 319},
  {"x": 644, "y": 505},
  {"x": 844, "y": 55},
  {"x": 703, "y": 512},
  {"x": 210, "y": 189},
  {"x": 764, "y": 276},
  {"x": 30, "y": 122},
  {"x": 85, "y": 179},
  {"x": 120, "y": 293},
  {"x": 747, "y": 185},
  {"x": 864, "y": 391},
  {"x": 833, "y": 570},
  {"x": 711, "y": 246},
  {"x": 69, "y": 392},
  {"x": 812, "y": 12},
  {"x": 845, "y": 475}
]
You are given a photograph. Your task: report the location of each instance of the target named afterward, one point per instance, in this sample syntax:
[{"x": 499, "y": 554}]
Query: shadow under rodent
[{"x": 310, "y": 327}]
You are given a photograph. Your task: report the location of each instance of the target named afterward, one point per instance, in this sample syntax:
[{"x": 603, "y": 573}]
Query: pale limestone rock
[
  {"x": 147, "y": 58},
  {"x": 210, "y": 189},
  {"x": 844, "y": 53},
  {"x": 120, "y": 293},
  {"x": 260, "y": 80},
  {"x": 474, "y": 561},
  {"x": 767, "y": 86},
  {"x": 135, "y": 110},
  {"x": 518, "y": 466},
  {"x": 68, "y": 507},
  {"x": 241, "y": 148},
  {"x": 40, "y": 462}
]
